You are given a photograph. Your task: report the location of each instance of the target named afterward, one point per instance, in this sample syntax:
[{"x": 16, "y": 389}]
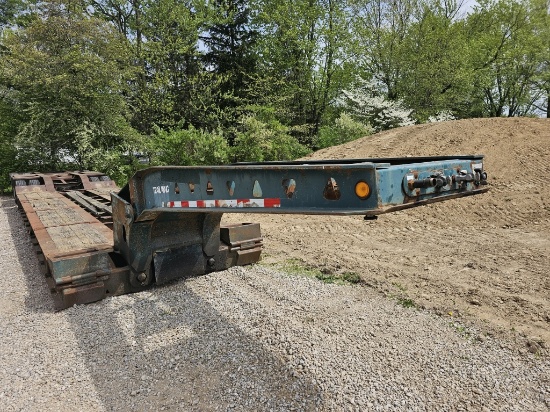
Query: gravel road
[{"x": 245, "y": 339}]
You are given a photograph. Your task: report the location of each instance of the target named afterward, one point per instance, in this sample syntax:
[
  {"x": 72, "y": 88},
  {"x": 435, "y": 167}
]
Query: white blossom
[
  {"x": 367, "y": 101},
  {"x": 441, "y": 116}
]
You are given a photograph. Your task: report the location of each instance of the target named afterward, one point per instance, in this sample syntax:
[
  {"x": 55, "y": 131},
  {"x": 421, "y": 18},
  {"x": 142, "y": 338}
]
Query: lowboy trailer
[{"x": 95, "y": 240}]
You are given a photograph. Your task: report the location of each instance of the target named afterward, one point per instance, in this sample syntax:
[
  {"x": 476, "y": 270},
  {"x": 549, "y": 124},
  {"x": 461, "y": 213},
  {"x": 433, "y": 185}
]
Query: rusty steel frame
[{"x": 69, "y": 217}]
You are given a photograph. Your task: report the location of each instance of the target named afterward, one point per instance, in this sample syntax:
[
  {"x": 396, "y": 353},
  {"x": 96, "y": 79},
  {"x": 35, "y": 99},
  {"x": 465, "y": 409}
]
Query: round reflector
[{"x": 362, "y": 190}]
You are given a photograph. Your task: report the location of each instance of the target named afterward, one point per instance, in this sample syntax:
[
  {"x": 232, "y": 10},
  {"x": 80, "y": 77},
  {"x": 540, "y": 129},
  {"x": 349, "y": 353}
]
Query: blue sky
[{"x": 468, "y": 5}]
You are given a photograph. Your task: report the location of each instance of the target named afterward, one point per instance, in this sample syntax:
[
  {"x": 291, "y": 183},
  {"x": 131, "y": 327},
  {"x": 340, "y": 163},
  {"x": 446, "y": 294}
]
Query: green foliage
[
  {"x": 172, "y": 88},
  {"x": 509, "y": 50},
  {"x": 8, "y": 164},
  {"x": 541, "y": 83},
  {"x": 300, "y": 268},
  {"x": 344, "y": 129},
  {"x": 436, "y": 75},
  {"x": 63, "y": 78},
  {"x": 9, "y": 123},
  {"x": 304, "y": 51},
  {"x": 265, "y": 141},
  {"x": 296, "y": 267},
  {"x": 9, "y": 10},
  {"x": 366, "y": 101},
  {"x": 230, "y": 41},
  {"x": 401, "y": 296},
  {"x": 406, "y": 302},
  {"x": 188, "y": 147},
  {"x": 442, "y": 116}
]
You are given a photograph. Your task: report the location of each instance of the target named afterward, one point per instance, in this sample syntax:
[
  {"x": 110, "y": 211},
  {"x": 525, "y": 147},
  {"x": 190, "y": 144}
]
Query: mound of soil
[
  {"x": 517, "y": 158},
  {"x": 485, "y": 258}
]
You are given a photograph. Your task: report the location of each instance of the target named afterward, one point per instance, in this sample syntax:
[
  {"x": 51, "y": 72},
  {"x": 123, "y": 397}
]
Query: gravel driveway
[{"x": 245, "y": 339}]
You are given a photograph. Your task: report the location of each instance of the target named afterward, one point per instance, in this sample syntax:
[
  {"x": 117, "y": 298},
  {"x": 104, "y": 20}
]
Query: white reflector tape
[
  {"x": 267, "y": 203},
  {"x": 226, "y": 203}
]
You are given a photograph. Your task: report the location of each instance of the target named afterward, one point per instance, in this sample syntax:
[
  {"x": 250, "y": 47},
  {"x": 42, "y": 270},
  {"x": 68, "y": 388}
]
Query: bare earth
[{"x": 484, "y": 258}]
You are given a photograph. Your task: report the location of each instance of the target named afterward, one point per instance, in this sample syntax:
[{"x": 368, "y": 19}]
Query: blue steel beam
[{"x": 316, "y": 187}]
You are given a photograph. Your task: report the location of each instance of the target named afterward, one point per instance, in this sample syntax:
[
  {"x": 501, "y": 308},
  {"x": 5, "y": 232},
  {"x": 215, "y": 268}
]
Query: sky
[{"x": 468, "y": 5}]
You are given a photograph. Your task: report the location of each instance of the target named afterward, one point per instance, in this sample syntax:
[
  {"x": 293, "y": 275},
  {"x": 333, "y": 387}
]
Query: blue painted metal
[
  {"x": 153, "y": 190},
  {"x": 396, "y": 183}
]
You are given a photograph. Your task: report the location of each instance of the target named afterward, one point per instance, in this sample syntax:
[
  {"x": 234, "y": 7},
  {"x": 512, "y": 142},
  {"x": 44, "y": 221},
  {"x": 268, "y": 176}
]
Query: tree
[
  {"x": 417, "y": 50},
  {"x": 304, "y": 52},
  {"x": 9, "y": 124},
  {"x": 541, "y": 20},
  {"x": 507, "y": 58},
  {"x": 367, "y": 102},
  {"x": 188, "y": 147},
  {"x": 9, "y": 10},
  {"x": 436, "y": 75},
  {"x": 344, "y": 129},
  {"x": 231, "y": 55},
  {"x": 381, "y": 27},
  {"x": 265, "y": 140},
  {"x": 176, "y": 92},
  {"x": 63, "y": 78}
]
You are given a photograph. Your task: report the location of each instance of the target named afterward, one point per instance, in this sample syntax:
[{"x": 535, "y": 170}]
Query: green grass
[
  {"x": 344, "y": 278},
  {"x": 400, "y": 296},
  {"x": 300, "y": 268},
  {"x": 461, "y": 330},
  {"x": 406, "y": 302}
]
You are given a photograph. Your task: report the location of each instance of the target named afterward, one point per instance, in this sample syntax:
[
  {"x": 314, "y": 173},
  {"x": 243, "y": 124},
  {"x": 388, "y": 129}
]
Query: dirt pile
[
  {"x": 485, "y": 258},
  {"x": 517, "y": 158}
]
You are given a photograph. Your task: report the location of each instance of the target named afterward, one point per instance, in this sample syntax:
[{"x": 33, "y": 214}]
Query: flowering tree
[
  {"x": 368, "y": 102},
  {"x": 442, "y": 116}
]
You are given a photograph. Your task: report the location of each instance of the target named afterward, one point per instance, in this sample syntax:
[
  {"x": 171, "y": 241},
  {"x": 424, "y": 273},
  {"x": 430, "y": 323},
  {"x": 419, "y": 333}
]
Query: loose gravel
[{"x": 250, "y": 338}]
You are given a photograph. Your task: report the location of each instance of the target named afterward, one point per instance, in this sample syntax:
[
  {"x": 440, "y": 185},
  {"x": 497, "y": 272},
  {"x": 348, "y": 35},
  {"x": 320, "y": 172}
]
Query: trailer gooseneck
[{"x": 95, "y": 240}]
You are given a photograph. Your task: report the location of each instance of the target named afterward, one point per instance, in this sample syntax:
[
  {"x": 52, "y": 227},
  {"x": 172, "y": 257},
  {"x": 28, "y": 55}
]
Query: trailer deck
[{"x": 74, "y": 240}]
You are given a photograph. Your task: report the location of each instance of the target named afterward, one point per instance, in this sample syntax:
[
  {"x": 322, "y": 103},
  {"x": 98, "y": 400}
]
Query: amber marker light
[{"x": 362, "y": 189}]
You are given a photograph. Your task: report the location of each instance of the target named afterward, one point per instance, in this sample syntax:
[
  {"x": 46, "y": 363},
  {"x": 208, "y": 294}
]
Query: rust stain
[
  {"x": 332, "y": 191},
  {"x": 289, "y": 186}
]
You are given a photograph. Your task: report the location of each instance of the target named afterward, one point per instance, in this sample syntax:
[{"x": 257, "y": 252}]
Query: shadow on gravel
[
  {"x": 143, "y": 352},
  {"x": 38, "y": 298},
  {"x": 169, "y": 348}
]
